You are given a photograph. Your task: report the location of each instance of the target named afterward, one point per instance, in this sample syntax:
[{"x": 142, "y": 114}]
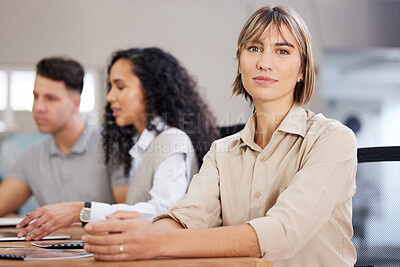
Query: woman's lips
[
  {"x": 115, "y": 111},
  {"x": 261, "y": 80}
]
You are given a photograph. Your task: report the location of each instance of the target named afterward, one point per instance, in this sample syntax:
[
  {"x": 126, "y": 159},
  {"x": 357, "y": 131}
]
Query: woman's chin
[{"x": 121, "y": 122}]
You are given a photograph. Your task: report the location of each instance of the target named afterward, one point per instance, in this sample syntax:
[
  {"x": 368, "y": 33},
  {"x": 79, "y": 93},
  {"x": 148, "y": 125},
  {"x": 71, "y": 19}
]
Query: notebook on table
[
  {"x": 12, "y": 236},
  {"x": 60, "y": 244},
  {"x": 10, "y": 222},
  {"x": 41, "y": 254}
]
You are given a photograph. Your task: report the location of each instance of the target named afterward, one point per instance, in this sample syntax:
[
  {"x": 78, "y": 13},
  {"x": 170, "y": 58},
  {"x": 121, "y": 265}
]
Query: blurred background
[{"x": 356, "y": 44}]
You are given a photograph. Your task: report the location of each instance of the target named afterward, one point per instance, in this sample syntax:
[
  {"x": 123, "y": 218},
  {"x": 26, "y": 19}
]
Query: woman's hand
[
  {"x": 125, "y": 235},
  {"x": 48, "y": 219}
]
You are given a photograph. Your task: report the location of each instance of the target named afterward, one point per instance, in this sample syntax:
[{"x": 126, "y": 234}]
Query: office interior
[{"x": 356, "y": 44}]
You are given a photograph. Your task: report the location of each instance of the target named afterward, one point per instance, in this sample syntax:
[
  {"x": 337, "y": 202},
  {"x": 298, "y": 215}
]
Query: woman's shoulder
[
  {"x": 173, "y": 133},
  {"x": 173, "y": 140},
  {"x": 227, "y": 144},
  {"x": 320, "y": 128}
]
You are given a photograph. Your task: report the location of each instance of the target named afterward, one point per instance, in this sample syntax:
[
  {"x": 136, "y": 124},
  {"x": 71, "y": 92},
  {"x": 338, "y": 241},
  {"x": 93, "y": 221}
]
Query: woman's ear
[{"x": 300, "y": 77}]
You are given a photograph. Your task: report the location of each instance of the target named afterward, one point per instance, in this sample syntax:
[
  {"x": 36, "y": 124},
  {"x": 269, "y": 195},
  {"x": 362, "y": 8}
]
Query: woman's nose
[
  {"x": 265, "y": 62},
  {"x": 110, "y": 96}
]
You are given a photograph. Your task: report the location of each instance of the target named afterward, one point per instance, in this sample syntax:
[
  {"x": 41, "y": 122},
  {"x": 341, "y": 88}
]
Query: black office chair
[
  {"x": 229, "y": 130},
  {"x": 376, "y": 207}
]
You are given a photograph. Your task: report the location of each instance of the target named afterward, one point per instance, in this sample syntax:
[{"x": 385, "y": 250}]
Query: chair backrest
[
  {"x": 376, "y": 207},
  {"x": 229, "y": 130}
]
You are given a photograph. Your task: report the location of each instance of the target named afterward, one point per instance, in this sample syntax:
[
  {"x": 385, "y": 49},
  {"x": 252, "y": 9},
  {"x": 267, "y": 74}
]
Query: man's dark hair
[{"x": 62, "y": 69}]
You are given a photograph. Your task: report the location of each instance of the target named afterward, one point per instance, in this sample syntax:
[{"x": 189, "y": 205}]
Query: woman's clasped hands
[{"x": 125, "y": 235}]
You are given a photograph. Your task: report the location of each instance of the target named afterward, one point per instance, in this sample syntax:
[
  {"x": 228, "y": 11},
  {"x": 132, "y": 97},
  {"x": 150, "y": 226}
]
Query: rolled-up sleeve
[
  {"x": 325, "y": 180},
  {"x": 201, "y": 206}
]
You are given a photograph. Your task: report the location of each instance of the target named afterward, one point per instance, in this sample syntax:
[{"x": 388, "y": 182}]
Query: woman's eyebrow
[
  {"x": 255, "y": 42},
  {"x": 284, "y": 44},
  {"x": 117, "y": 80}
]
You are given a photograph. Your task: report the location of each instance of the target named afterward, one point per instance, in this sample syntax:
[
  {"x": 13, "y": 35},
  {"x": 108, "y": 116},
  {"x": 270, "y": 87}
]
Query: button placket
[{"x": 255, "y": 189}]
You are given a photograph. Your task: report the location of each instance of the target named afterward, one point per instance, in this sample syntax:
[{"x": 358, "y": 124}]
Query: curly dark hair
[
  {"x": 62, "y": 69},
  {"x": 171, "y": 93}
]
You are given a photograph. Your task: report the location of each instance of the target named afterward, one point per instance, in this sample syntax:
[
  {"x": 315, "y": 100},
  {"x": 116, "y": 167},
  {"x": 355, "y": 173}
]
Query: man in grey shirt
[{"x": 69, "y": 165}]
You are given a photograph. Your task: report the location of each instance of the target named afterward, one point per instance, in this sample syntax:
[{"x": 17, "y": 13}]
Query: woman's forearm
[
  {"x": 229, "y": 241},
  {"x": 167, "y": 223}
]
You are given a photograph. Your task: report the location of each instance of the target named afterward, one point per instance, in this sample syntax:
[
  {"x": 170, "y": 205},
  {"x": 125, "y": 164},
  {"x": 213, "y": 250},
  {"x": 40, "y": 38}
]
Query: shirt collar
[
  {"x": 147, "y": 136},
  {"x": 247, "y": 134},
  {"x": 79, "y": 147},
  {"x": 294, "y": 123}
]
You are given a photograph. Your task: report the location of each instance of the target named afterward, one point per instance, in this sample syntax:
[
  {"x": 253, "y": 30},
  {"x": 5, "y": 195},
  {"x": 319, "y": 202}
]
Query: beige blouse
[{"x": 296, "y": 192}]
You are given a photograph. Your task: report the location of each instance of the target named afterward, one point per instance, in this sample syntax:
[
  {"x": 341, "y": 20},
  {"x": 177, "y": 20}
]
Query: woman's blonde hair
[{"x": 265, "y": 18}]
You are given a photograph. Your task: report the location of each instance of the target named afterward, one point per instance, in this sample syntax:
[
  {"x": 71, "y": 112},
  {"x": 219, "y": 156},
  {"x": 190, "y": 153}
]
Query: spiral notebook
[
  {"x": 60, "y": 245},
  {"x": 41, "y": 254}
]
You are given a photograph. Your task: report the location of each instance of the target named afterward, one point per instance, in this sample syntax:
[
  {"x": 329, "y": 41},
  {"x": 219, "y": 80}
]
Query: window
[
  {"x": 3, "y": 90},
  {"x": 21, "y": 87},
  {"x": 88, "y": 93},
  {"x": 16, "y": 97}
]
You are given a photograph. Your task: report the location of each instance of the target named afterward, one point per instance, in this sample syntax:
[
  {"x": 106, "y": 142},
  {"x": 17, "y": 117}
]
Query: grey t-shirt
[{"x": 80, "y": 175}]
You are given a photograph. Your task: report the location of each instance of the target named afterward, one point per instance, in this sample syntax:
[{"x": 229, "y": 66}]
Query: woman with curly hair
[
  {"x": 159, "y": 130},
  {"x": 156, "y": 131}
]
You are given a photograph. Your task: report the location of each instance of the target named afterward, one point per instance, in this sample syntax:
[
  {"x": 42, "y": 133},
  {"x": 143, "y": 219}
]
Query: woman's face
[
  {"x": 270, "y": 67},
  {"x": 126, "y": 96}
]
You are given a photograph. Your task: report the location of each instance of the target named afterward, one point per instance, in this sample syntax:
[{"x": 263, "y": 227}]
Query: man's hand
[
  {"x": 48, "y": 219},
  {"x": 125, "y": 235}
]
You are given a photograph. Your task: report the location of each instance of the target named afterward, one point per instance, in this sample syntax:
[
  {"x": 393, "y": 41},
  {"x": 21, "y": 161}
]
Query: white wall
[{"x": 202, "y": 34}]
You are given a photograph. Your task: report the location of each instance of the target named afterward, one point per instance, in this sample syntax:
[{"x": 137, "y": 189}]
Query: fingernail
[
  {"x": 84, "y": 238},
  {"x": 87, "y": 247},
  {"x": 18, "y": 226},
  {"x": 88, "y": 227},
  {"x": 19, "y": 234}
]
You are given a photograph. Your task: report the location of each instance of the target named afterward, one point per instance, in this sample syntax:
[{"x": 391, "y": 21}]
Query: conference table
[{"x": 76, "y": 232}]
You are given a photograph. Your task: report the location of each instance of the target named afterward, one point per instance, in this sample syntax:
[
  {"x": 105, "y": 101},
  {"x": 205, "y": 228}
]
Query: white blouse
[{"x": 169, "y": 185}]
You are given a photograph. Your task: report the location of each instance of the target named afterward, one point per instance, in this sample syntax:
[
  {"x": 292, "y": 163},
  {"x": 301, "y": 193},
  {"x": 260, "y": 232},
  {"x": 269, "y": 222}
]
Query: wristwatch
[{"x": 84, "y": 215}]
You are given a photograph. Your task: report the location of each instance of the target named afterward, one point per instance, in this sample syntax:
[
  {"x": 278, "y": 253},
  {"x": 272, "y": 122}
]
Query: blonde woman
[{"x": 280, "y": 189}]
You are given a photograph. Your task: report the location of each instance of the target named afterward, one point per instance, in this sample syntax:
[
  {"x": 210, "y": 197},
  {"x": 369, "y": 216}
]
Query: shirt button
[
  {"x": 257, "y": 194},
  {"x": 263, "y": 159}
]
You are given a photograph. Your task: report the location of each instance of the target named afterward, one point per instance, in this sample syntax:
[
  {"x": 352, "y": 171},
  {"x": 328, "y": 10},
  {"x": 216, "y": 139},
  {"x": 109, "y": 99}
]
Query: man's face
[{"x": 53, "y": 105}]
